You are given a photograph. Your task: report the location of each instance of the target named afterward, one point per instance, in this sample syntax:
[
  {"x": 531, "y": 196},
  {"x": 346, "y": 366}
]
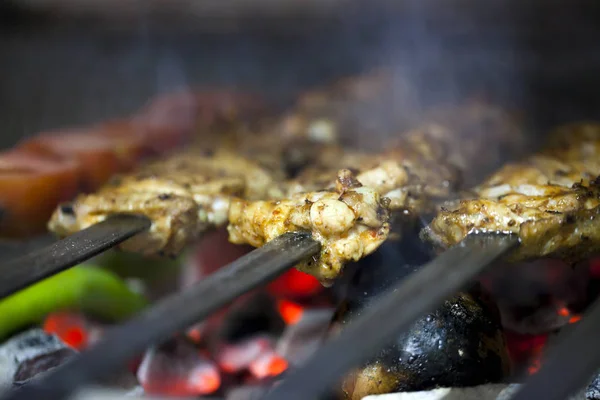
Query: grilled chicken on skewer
[
  {"x": 187, "y": 194},
  {"x": 349, "y": 222},
  {"x": 408, "y": 179},
  {"x": 182, "y": 196},
  {"x": 551, "y": 200}
]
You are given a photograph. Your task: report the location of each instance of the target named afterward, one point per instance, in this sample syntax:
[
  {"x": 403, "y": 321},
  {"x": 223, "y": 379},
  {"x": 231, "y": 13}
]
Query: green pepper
[{"x": 84, "y": 288}]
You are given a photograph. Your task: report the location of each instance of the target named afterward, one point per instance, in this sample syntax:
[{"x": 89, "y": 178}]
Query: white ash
[
  {"x": 482, "y": 392},
  {"x": 23, "y": 347}
]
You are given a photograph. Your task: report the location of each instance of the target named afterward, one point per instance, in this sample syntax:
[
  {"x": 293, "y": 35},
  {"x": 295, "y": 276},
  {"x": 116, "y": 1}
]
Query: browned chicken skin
[
  {"x": 550, "y": 200},
  {"x": 350, "y": 222},
  {"x": 182, "y": 196},
  {"x": 250, "y": 168}
]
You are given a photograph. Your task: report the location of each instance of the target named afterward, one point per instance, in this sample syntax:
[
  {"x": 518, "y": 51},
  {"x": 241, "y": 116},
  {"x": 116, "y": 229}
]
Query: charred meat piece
[
  {"x": 551, "y": 200},
  {"x": 350, "y": 222},
  {"x": 182, "y": 196}
]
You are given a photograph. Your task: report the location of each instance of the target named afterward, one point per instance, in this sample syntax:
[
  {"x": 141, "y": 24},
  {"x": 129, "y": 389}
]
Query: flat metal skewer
[
  {"x": 23, "y": 271},
  {"x": 395, "y": 311},
  {"x": 173, "y": 314},
  {"x": 570, "y": 365}
]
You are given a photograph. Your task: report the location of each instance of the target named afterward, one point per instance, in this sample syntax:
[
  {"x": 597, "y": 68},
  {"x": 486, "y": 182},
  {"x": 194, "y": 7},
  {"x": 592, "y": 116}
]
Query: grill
[{"x": 522, "y": 44}]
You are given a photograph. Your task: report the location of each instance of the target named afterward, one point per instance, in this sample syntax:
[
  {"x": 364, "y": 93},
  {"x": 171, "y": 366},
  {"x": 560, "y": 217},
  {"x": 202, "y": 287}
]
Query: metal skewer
[
  {"x": 173, "y": 314},
  {"x": 56, "y": 257},
  {"x": 570, "y": 365},
  {"x": 394, "y": 311}
]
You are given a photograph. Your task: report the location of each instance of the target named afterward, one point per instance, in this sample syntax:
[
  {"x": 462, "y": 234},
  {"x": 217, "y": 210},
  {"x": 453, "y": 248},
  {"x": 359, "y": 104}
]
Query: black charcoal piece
[{"x": 30, "y": 353}]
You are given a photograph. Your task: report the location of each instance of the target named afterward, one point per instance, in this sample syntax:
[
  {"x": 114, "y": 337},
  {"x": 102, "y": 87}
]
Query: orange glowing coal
[
  {"x": 566, "y": 313},
  {"x": 295, "y": 284},
  {"x": 526, "y": 349},
  {"x": 268, "y": 365},
  {"x": 70, "y": 328},
  {"x": 238, "y": 357},
  {"x": 290, "y": 312}
]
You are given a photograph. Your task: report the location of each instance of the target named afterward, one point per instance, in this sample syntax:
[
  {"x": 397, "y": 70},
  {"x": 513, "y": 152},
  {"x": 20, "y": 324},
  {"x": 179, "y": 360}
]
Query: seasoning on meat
[
  {"x": 551, "y": 200},
  {"x": 350, "y": 222},
  {"x": 182, "y": 196}
]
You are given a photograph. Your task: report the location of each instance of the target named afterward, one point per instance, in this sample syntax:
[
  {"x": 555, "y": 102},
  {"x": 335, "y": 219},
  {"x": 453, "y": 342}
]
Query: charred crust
[{"x": 346, "y": 180}]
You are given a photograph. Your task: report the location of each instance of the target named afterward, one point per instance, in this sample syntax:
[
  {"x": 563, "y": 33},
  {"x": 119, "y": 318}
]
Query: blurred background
[{"x": 73, "y": 62}]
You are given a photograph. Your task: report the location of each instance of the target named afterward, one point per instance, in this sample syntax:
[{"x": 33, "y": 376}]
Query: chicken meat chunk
[
  {"x": 349, "y": 221},
  {"x": 182, "y": 196},
  {"x": 550, "y": 200}
]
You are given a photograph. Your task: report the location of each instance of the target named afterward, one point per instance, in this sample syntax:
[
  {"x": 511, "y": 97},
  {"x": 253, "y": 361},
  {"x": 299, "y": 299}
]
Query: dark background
[{"x": 62, "y": 69}]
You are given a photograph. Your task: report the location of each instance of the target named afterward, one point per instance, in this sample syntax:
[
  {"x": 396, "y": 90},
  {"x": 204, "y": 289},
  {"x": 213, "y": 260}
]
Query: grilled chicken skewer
[
  {"x": 550, "y": 200},
  {"x": 421, "y": 169},
  {"x": 347, "y": 212}
]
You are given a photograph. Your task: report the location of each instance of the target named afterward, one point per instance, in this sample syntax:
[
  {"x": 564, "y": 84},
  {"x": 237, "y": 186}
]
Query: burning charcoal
[
  {"x": 295, "y": 284},
  {"x": 547, "y": 294},
  {"x": 236, "y": 357},
  {"x": 593, "y": 390},
  {"x": 299, "y": 341},
  {"x": 459, "y": 344},
  {"x": 268, "y": 364},
  {"x": 42, "y": 363},
  {"x": 178, "y": 369},
  {"x": 72, "y": 328},
  {"x": 255, "y": 315},
  {"x": 29, "y": 354}
]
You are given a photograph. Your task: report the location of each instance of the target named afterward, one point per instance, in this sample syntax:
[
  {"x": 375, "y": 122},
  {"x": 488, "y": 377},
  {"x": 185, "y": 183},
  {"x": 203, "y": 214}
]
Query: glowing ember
[
  {"x": 70, "y": 328},
  {"x": 178, "y": 369},
  {"x": 290, "y": 312},
  {"x": 196, "y": 333},
  {"x": 268, "y": 365},
  {"x": 526, "y": 349},
  {"x": 564, "y": 312},
  {"x": 294, "y": 284},
  {"x": 237, "y": 357}
]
